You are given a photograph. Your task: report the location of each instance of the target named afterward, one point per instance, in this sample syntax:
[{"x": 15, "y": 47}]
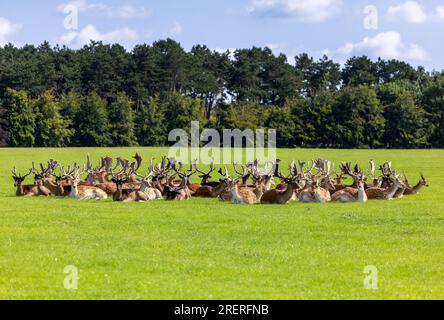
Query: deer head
[{"x": 18, "y": 178}]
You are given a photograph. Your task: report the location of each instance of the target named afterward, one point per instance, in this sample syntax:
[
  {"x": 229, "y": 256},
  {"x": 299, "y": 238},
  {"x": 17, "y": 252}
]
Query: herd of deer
[{"x": 306, "y": 182}]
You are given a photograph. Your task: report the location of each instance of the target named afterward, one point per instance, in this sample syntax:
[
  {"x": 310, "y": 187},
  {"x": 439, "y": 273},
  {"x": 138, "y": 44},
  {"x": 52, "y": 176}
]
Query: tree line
[{"x": 103, "y": 95}]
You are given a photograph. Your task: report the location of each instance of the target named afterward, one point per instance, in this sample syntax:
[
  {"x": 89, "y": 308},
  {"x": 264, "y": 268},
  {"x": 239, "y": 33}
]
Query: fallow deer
[
  {"x": 385, "y": 193},
  {"x": 414, "y": 190},
  {"x": 28, "y": 190},
  {"x": 347, "y": 196},
  {"x": 241, "y": 196},
  {"x": 82, "y": 191}
]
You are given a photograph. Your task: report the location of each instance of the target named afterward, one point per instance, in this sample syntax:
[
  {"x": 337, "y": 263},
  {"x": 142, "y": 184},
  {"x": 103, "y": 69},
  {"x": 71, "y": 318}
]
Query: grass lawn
[{"x": 203, "y": 249}]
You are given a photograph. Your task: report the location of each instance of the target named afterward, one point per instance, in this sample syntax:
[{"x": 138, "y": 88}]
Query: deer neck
[
  {"x": 20, "y": 190},
  {"x": 416, "y": 188},
  {"x": 288, "y": 193},
  {"x": 90, "y": 179},
  {"x": 235, "y": 192},
  {"x": 390, "y": 192},
  {"x": 218, "y": 190},
  {"x": 259, "y": 191},
  {"x": 74, "y": 190},
  {"x": 118, "y": 195},
  {"x": 267, "y": 184},
  {"x": 102, "y": 177},
  {"x": 362, "y": 196}
]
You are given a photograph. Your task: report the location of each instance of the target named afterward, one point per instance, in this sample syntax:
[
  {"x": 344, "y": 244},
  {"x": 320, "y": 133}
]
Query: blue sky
[{"x": 406, "y": 30}]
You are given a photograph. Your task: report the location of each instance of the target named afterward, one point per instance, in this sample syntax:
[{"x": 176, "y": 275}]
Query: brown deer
[
  {"x": 385, "y": 193},
  {"x": 206, "y": 191},
  {"x": 349, "y": 196},
  {"x": 45, "y": 177},
  {"x": 277, "y": 196},
  {"x": 180, "y": 193},
  {"x": 414, "y": 190},
  {"x": 36, "y": 189}
]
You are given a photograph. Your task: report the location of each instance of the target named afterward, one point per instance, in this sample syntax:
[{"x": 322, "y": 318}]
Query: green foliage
[
  {"x": 51, "y": 129},
  {"x": 406, "y": 121},
  {"x": 433, "y": 101},
  {"x": 122, "y": 124},
  {"x": 180, "y": 111},
  {"x": 244, "y": 115},
  {"x": 248, "y": 88},
  {"x": 20, "y": 119},
  {"x": 358, "y": 118},
  {"x": 93, "y": 122},
  {"x": 151, "y": 124}
]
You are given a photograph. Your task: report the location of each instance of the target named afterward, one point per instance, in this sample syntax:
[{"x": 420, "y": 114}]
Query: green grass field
[{"x": 204, "y": 249}]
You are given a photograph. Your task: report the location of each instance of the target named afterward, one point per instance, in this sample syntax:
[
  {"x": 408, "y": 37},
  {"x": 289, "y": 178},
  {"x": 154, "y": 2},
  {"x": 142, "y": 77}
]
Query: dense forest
[{"x": 103, "y": 95}]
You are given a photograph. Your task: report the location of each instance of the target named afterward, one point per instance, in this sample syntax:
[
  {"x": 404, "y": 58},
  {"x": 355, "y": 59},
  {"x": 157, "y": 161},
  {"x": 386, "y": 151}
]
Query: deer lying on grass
[
  {"x": 179, "y": 193},
  {"x": 147, "y": 191},
  {"x": 82, "y": 191},
  {"x": 386, "y": 193},
  {"x": 36, "y": 189},
  {"x": 216, "y": 191},
  {"x": 262, "y": 180},
  {"x": 414, "y": 190},
  {"x": 241, "y": 196},
  {"x": 350, "y": 194},
  {"x": 277, "y": 196}
]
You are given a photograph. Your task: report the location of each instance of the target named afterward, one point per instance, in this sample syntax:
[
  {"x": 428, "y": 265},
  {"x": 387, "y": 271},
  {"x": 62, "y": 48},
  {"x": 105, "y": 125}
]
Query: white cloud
[
  {"x": 300, "y": 10},
  {"x": 387, "y": 45},
  {"x": 126, "y": 11},
  {"x": 124, "y": 36},
  {"x": 83, "y": 6},
  {"x": 411, "y": 11},
  {"x": 7, "y": 29},
  {"x": 440, "y": 13},
  {"x": 175, "y": 30}
]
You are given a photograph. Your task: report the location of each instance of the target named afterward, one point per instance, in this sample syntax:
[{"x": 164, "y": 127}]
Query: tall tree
[
  {"x": 360, "y": 71},
  {"x": 180, "y": 111},
  {"x": 208, "y": 76},
  {"x": 20, "y": 119},
  {"x": 151, "y": 125},
  {"x": 433, "y": 102},
  {"x": 51, "y": 129},
  {"x": 122, "y": 125},
  {"x": 358, "y": 118},
  {"x": 93, "y": 123},
  {"x": 406, "y": 120}
]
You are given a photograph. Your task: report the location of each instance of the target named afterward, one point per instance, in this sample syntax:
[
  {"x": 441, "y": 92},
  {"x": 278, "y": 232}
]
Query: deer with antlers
[
  {"x": 147, "y": 191},
  {"x": 82, "y": 191},
  {"x": 281, "y": 196},
  {"x": 386, "y": 193},
  {"x": 350, "y": 194},
  {"x": 178, "y": 193},
  {"x": 216, "y": 191},
  {"x": 36, "y": 189},
  {"x": 415, "y": 189},
  {"x": 58, "y": 187}
]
